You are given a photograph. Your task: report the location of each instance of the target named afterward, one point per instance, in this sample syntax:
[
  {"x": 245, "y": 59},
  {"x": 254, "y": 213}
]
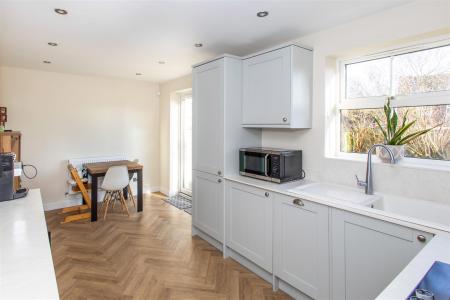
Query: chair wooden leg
[
  {"x": 107, "y": 196},
  {"x": 106, "y": 208},
  {"x": 130, "y": 195},
  {"x": 124, "y": 203}
]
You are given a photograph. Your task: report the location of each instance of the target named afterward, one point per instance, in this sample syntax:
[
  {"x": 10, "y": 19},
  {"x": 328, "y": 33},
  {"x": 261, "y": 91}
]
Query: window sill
[{"x": 406, "y": 162}]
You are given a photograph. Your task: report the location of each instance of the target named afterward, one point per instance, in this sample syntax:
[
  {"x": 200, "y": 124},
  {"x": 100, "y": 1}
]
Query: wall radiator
[{"x": 78, "y": 163}]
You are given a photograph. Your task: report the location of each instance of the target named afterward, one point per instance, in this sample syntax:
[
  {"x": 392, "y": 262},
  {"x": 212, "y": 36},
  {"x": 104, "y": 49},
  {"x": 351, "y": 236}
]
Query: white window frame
[{"x": 424, "y": 99}]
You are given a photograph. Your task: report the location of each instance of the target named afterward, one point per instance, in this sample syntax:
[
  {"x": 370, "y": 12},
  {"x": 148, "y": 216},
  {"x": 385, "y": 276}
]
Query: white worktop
[
  {"x": 26, "y": 265},
  {"x": 438, "y": 249}
]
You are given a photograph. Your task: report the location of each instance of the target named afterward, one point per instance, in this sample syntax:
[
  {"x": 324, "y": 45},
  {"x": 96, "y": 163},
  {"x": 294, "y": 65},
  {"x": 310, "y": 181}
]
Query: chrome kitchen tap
[{"x": 368, "y": 184}]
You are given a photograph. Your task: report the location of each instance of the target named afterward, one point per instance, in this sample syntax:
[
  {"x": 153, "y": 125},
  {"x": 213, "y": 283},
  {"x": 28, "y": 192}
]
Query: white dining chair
[{"x": 116, "y": 179}]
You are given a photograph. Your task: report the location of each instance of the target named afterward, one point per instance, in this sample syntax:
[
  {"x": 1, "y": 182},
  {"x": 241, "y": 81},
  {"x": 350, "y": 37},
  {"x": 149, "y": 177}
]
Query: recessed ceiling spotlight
[
  {"x": 60, "y": 11},
  {"x": 138, "y": 74},
  {"x": 52, "y": 44},
  {"x": 47, "y": 62},
  {"x": 161, "y": 62},
  {"x": 198, "y": 45},
  {"x": 262, "y": 14}
]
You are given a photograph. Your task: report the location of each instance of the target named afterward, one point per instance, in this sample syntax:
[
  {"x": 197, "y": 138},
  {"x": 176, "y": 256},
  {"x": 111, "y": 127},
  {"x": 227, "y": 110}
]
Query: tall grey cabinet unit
[{"x": 217, "y": 136}]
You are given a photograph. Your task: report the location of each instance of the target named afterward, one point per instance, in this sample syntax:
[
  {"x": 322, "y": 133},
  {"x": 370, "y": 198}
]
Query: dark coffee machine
[
  {"x": 7, "y": 191},
  {"x": 6, "y": 176}
]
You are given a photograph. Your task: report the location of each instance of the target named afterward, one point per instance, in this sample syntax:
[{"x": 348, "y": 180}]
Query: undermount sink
[
  {"x": 331, "y": 191},
  {"x": 415, "y": 208}
]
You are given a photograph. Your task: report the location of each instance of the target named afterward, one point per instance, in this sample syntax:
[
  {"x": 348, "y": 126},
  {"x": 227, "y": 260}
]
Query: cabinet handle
[
  {"x": 298, "y": 202},
  {"x": 284, "y": 119},
  {"x": 219, "y": 180},
  {"x": 266, "y": 194},
  {"x": 421, "y": 238},
  {"x": 219, "y": 172}
]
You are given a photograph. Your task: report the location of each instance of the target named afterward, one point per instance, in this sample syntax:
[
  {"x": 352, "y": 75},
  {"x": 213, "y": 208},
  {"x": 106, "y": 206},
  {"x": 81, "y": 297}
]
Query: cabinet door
[
  {"x": 249, "y": 223},
  {"x": 368, "y": 253},
  {"x": 208, "y": 204},
  {"x": 267, "y": 88},
  {"x": 208, "y": 110},
  {"x": 301, "y": 252}
]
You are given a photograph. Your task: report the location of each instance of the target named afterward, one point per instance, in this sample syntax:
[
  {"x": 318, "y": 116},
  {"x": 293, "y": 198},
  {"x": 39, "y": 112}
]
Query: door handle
[
  {"x": 298, "y": 202},
  {"x": 421, "y": 238},
  {"x": 266, "y": 162}
]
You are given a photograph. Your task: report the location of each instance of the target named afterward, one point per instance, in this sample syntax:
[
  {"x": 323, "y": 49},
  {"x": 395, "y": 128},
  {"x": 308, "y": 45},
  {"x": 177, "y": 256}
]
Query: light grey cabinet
[
  {"x": 208, "y": 118},
  {"x": 249, "y": 223},
  {"x": 301, "y": 247},
  {"x": 277, "y": 88},
  {"x": 368, "y": 253},
  {"x": 208, "y": 204}
]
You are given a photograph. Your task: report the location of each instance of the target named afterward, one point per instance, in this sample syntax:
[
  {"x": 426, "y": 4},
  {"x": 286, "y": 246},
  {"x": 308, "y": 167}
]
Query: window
[{"x": 419, "y": 81}]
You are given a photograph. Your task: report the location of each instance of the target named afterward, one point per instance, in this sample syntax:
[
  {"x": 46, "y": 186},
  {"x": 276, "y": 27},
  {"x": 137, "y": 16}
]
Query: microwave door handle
[{"x": 266, "y": 164}]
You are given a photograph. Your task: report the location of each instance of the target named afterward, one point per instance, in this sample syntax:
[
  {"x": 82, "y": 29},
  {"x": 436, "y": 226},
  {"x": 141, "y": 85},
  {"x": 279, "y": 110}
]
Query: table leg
[
  {"x": 140, "y": 195},
  {"x": 94, "y": 192}
]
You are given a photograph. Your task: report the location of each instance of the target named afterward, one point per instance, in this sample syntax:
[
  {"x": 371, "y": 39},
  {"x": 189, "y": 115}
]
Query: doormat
[{"x": 181, "y": 201}]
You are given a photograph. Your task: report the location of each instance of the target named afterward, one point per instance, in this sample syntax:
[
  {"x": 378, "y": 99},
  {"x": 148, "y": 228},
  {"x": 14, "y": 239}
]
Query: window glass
[
  {"x": 422, "y": 71},
  {"x": 368, "y": 79},
  {"x": 359, "y": 130}
]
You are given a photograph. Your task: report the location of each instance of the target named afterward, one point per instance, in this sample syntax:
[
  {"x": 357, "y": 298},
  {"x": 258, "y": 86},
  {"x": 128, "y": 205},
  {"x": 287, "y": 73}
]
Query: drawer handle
[
  {"x": 219, "y": 172},
  {"x": 284, "y": 119},
  {"x": 298, "y": 202},
  {"x": 266, "y": 194},
  {"x": 421, "y": 238},
  {"x": 219, "y": 180}
]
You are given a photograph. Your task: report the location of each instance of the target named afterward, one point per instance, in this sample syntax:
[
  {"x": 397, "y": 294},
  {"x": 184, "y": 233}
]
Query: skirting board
[{"x": 77, "y": 201}]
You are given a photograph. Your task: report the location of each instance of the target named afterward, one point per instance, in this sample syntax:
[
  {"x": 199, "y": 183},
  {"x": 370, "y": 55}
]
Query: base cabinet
[
  {"x": 208, "y": 204},
  {"x": 249, "y": 223},
  {"x": 301, "y": 245},
  {"x": 368, "y": 253}
]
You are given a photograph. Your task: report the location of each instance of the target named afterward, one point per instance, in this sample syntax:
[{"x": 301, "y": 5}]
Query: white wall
[
  {"x": 63, "y": 116},
  {"x": 402, "y": 24},
  {"x": 168, "y": 160}
]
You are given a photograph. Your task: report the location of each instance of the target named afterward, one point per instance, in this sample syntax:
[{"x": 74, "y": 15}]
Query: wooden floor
[{"x": 150, "y": 255}]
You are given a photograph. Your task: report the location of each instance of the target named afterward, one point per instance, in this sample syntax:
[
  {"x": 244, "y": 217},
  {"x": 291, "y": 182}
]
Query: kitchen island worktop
[{"x": 26, "y": 265}]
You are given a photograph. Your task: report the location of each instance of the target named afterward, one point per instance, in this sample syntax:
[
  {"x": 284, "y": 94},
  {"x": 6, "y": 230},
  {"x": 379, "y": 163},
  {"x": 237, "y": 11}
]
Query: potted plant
[{"x": 396, "y": 135}]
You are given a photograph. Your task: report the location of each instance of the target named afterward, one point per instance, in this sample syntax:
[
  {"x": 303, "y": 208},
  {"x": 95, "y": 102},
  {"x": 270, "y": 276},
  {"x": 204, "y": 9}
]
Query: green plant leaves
[{"x": 393, "y": 135}]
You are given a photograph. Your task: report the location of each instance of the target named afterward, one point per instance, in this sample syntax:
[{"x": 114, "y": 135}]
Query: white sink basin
[
  {"x": 428, "y": 211},
  {"x": 328, "y": 191}
]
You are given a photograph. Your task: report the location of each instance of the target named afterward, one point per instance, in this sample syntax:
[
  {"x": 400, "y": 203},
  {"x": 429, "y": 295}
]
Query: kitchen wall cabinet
[
  {"x": 368, "y": 253},
  {"x": 277, "y": 89},
  {"x": 301, "y": 247},
  {"x": 208, "y": 204},
  {"x": 249, "y": 223}
]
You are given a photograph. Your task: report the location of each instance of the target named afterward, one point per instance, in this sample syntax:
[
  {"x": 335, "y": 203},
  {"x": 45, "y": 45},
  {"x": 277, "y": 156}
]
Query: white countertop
[
  {"x": 438, "y": 249},
  {"x": 26, "y": 265}
]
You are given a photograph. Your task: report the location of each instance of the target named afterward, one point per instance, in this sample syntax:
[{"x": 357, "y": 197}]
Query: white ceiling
[{"x": 121, "y": 38}]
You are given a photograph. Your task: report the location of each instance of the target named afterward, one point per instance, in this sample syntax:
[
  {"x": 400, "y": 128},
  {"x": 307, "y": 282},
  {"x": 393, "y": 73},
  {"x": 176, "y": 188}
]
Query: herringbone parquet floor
[{"x": 150, "y": 255}]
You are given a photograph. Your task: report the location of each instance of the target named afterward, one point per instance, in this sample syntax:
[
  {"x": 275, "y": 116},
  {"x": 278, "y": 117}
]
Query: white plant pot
[{"x": 397, "y": 150}]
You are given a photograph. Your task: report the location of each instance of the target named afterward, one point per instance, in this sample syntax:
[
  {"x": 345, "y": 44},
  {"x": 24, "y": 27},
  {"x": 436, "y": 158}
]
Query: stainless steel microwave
[{"x": 271, "y": 164}]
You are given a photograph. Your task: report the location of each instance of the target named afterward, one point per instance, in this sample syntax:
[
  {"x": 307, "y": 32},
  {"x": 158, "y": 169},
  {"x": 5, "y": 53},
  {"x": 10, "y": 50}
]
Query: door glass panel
[{"x": 186, "y": 144}]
